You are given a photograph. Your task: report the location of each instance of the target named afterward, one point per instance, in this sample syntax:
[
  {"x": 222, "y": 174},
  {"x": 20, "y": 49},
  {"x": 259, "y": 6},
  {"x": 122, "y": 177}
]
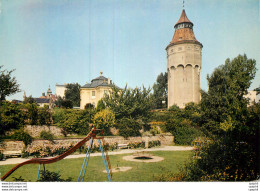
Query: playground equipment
[{"x": 91, "y": 136}]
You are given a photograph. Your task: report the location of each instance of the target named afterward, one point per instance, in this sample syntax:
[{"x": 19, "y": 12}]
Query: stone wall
[
  {"x": 35, "y": 130},
  {"x": 164, "y": 139}
]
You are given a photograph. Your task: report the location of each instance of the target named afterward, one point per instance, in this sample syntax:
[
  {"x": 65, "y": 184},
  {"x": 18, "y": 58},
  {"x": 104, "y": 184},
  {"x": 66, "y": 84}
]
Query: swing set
[{"x": 91, "y": 136}]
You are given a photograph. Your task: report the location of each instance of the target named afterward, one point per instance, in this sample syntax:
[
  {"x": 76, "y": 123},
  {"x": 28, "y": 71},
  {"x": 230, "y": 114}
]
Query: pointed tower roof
[
  {"x": 183, "y": 31},
  {"x": 183, "y": 18}
]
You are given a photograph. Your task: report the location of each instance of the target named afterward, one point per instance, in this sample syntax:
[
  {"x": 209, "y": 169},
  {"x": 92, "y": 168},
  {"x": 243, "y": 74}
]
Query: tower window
[
  {"x": 93, "y": 93},
  {"x": 180, "y": 48}
]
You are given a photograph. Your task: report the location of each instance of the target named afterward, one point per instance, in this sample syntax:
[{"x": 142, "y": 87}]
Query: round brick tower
[{"x": 183, "y": 64}]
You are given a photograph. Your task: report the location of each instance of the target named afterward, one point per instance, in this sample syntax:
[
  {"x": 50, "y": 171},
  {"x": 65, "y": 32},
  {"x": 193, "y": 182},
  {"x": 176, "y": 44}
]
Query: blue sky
[{"x": 66, "y": 41}]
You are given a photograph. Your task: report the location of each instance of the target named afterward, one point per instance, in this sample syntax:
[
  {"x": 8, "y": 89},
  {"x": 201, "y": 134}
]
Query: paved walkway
[{"x": 117, "y": 152}]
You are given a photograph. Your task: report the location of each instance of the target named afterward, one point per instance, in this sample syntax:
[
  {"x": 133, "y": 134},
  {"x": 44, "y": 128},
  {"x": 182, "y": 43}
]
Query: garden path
[{"x": 117, "y": 152}]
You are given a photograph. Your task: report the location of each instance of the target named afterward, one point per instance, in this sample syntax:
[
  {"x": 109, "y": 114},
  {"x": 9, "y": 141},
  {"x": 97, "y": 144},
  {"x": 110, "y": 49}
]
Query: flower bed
[{"x": 47, "y": 148}]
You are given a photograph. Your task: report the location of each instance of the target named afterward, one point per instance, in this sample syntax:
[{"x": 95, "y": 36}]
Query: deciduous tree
[
  {"x": 72, "y": 93},
  {"x": 8, "y": 84}
]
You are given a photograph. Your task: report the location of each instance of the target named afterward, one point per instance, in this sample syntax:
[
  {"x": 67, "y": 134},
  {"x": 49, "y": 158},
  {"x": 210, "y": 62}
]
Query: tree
[
  {"x": 32, "y": 113},
  {"x": 233, "y": 152},
  {"x": 105, "y": 120},
  {"x": 8, "y": 84},
  {"x": 29, "y": 100},
  {"x": 257, "y": 90},
  {"x": 128, "y": 127},
  {"x": 131, "y": 103},
  {"x": 63, "y": 103},
  {"x": 160, "y": 90},
  {"x": 228, "y": 85},
  {"x": 72, "y": 93},
  {"x": 100, "y": 105},
  {"x": 11, "y": 117}
]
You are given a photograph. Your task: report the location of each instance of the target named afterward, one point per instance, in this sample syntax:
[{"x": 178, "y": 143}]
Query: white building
[
  {"x": 253, "y": 98},
  {"x": 60, "y": 90}
]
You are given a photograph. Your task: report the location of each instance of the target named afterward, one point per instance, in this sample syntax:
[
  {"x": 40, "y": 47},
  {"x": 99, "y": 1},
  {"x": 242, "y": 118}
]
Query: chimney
[{"x": 108, "y": 81}]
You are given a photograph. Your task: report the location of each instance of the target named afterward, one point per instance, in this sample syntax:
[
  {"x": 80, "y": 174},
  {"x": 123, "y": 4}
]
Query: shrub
[
  {"x": 11, "y": 117},
  {"x": 136, "y": 145},
  {"x": 101, "y": 105},
  {"x": 89, "y": 106},
  {"x": 128, "y": 127},
  {"x": 19, "y": 179},
  {"x": 21, "y": 135},
  {"x": 154, "y": 144},
  {"x": 183, "y": 132},
  {"x": 105, "y": 120},
  {"x": 48, "y": 176},
  {"x": 74, "y": 121},
  {"x": 44, "y": 116},
  {"x": 58, "y": 115},
  {"x": 1, "y": 156},
  {"x": 45, "y": 149},
  {"x": 32, "y": 113},
  {"x": 47, "y": 135}
]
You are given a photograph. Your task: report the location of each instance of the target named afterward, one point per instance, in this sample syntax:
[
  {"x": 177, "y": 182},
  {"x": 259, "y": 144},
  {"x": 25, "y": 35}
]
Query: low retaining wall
[
  {"x": 35, "y": 130},
  {"x": 164, "y": 139}
]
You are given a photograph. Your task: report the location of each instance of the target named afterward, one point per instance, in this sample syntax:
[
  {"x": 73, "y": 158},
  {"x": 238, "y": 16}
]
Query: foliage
[
  {"x": 21, "y": 135},
  {"x": 228, "y": 85},
  {"x": 73, "y": 121},
  {"x": 182, "y": 131},
  {"x": 184, "y": 123},
  {"x": 105, "y": 120},
  {"x": 257, "y": 90},
  {"x": 48, "y": 176},
  {"x": 8, "y": 84},
  {"x": 19, "y": 179},
  {"x": 44, "y": 116},
  {"x": 136, "y": 145},
  {"x": 11, "y": 117},
  {"x": 131, "y": 103},
  {"x": 45, "y": 149},
  {"x": 58, "y": 115},
  {"x": 161, "y": 116},
  {"x": 29, "y": 100},
  {"x": 154, "y": 144},
  {"x": 32, "y": 113},
  {"x": 47, "y": 135},
  {"x": 72, "y": 93},
  {"x": 1, "y": 156},
  {"x": 64, "y": 103},
  {"x": 101, "y": 105},
  {"x": 89, "y": 106},
  {"x": 160, "y": 90},
  {"x": 129, "y": 127},
  {"x": 233, "y": 154}
]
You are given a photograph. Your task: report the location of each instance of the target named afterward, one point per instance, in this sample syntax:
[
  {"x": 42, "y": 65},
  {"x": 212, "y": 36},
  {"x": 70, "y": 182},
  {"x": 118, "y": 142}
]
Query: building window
[{"x": 93, "y": 93}]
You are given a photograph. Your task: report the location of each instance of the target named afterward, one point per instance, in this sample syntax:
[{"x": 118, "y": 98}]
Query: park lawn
[{"x": 140, "y": 172}]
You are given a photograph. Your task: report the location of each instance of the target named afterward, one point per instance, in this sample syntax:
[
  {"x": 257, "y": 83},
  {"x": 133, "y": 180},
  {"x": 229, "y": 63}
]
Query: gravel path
[{"x": 117, "y": 152}]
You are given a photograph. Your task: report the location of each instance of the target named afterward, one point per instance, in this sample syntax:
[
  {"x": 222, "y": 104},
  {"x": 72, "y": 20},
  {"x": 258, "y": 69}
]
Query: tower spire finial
[{"x": 183, "y": 4}]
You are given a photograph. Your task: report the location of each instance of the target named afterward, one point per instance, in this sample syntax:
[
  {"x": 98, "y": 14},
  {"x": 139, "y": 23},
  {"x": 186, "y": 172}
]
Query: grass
[{"x": 140, "y": 172}]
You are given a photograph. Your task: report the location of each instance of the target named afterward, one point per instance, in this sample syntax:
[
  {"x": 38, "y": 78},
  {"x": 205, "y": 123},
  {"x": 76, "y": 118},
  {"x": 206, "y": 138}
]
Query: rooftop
[{"x": 99, "y": 81}]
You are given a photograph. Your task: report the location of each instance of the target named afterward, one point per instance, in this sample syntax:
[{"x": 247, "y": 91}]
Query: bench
[{"x": 122, "y": 146}]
